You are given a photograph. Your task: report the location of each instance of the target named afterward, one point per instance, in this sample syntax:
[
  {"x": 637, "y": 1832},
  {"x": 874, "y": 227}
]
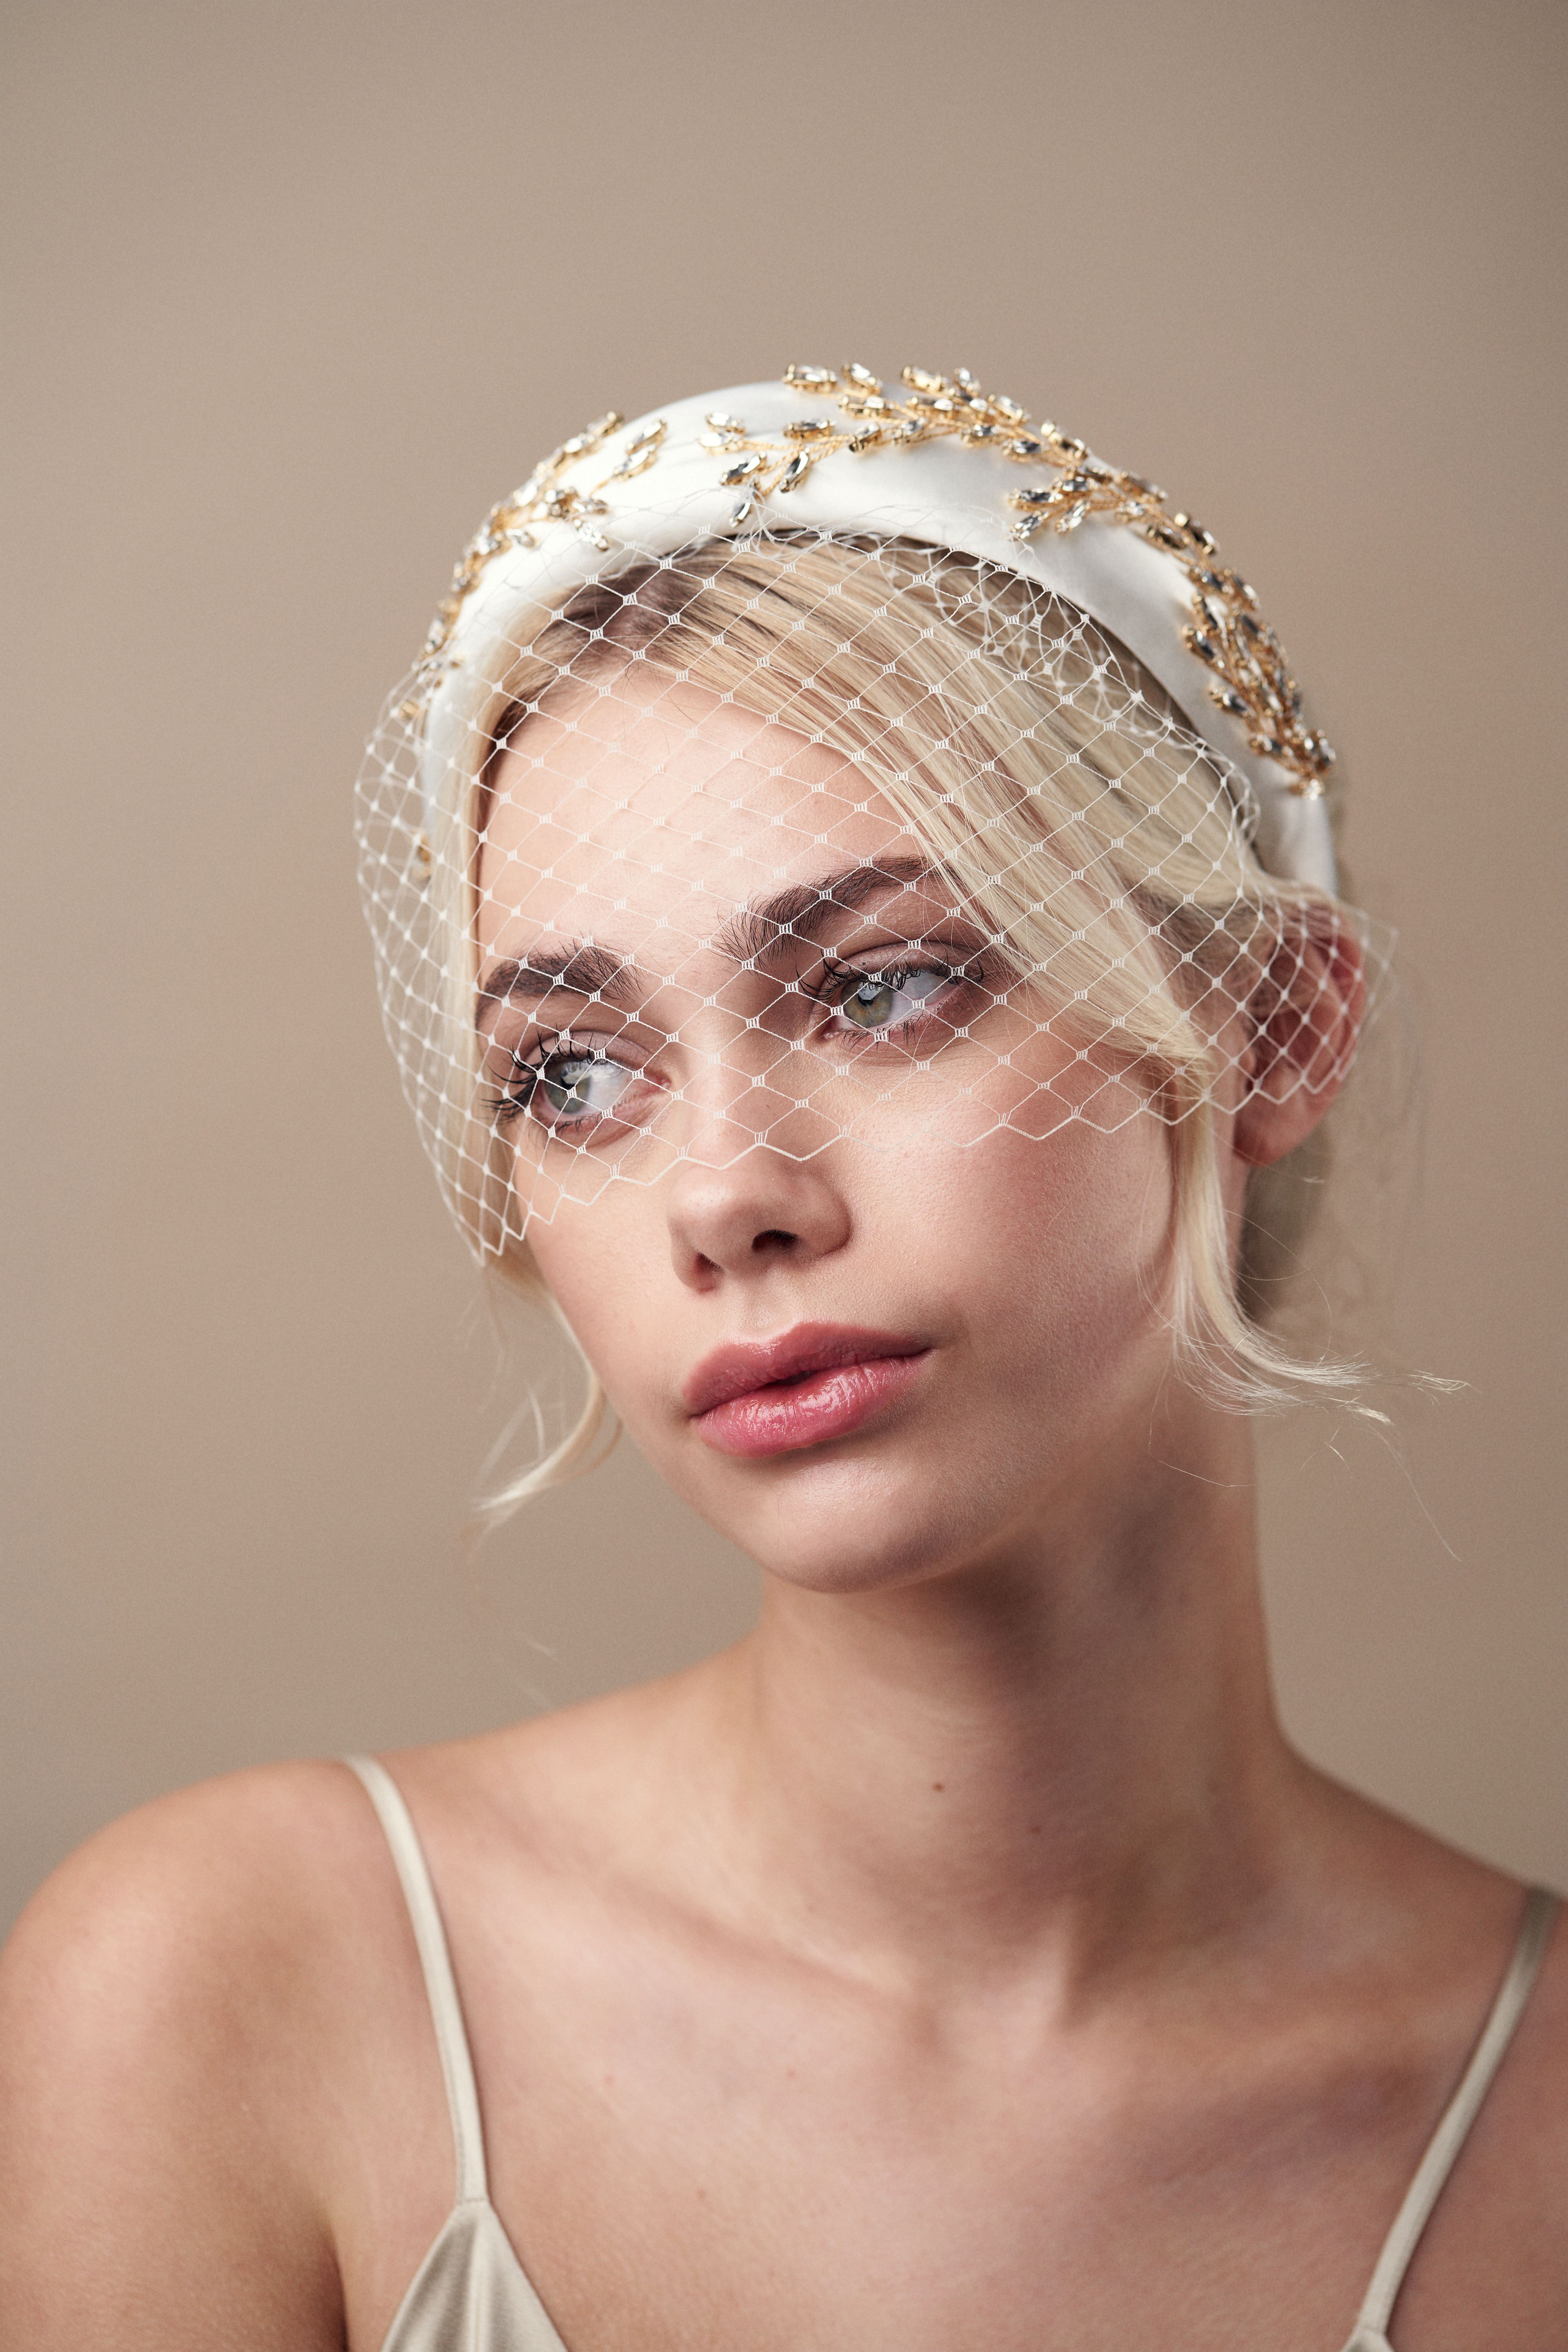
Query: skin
[{"x": 965, "y": 1958}]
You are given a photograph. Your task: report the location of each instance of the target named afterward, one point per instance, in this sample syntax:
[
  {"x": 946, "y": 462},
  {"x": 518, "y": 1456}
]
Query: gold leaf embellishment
[
  {"x": 543, "y": 497},
  {"x": 1251, "y": 677}
]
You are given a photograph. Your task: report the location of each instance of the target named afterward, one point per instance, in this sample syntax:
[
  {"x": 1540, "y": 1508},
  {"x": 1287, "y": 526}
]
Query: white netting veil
[{"x": 812, "y": 768}]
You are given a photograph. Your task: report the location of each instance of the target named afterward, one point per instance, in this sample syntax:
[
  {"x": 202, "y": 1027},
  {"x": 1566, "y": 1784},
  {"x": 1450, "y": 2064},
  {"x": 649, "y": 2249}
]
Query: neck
[{"x": 1072, "y": 1740}]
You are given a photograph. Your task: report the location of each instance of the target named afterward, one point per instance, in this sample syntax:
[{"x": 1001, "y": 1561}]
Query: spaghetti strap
[
  {"x": 446, "y": 2011},
  {"x": 1371, "y": 2332}
]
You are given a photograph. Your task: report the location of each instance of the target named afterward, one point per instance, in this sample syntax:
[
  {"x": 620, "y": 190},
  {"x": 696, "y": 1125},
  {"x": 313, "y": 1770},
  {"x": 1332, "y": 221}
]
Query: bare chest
[{"x": 691, "y": 2175}]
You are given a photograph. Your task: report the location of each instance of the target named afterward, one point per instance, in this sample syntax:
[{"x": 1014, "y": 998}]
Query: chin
[{"x": 843, "y": 1524}]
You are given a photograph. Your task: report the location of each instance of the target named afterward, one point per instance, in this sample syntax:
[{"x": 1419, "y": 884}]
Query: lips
[{"x": 817, "y": 1381}]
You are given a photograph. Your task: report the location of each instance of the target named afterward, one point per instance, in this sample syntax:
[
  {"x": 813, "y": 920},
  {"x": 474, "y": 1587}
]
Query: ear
[{"x": 1306, "y": 1017}]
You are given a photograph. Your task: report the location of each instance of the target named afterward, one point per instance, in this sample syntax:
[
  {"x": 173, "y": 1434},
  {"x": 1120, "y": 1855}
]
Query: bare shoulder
[
  {"x": 200, "y": 1905},
  {"x": 166, "y": 2003}
]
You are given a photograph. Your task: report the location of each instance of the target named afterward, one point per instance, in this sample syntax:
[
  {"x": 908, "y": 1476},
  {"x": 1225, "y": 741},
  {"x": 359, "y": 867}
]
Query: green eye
[
  {"x": 886, "y": 1000},
  {"x": 581, "y": 1086}
]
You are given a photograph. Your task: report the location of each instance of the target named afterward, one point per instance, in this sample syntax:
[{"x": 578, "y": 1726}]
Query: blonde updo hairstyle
[{"x": 1037, "y": 761}]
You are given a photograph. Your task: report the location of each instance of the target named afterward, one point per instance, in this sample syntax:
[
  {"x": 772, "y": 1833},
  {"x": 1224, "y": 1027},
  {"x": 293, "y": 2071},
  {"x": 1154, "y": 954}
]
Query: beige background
[{"x": 297, "y": 289}]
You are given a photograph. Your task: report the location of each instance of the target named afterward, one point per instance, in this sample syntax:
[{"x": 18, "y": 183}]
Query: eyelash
[{"x": 837, "y": 984}]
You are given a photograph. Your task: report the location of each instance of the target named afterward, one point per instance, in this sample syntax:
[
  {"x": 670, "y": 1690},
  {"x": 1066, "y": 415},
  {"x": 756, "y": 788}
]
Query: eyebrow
[{"x": 802, "y": 910}]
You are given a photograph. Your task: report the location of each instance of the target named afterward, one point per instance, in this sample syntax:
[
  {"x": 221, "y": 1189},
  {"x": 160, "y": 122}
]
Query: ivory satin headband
[{"x": 934, "y": 459}]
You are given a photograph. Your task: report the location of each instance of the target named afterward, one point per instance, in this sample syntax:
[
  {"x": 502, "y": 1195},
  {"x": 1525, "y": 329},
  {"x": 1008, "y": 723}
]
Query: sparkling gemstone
[
  {"x": 742, "y": 471},
  {"x": 861, "y": 378},
  {"x": 795, "y": 472},
  {"x": 723, "y": 424},
  {"x": 1025, "y": 447},
  {"x": 810, "y": 379}
]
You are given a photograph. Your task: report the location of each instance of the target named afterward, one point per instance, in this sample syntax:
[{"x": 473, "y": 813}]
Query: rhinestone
[
  {"x": 1009, "y": 408},
  {"x": 741, "y": 471},
  {"x": 1073, "y": 517},
  {"x": 1027, "y": 528},
  {"x": 808, "y": 428},
  {"x": 1030, "y": 498},
  {"x": 1227, "y": 700},
  {"x": 861, "y": 378},
  {"x": 795, "y": 472},
  {"x": 977, "y": 433},
  {"x": 723, "y": 424},
  {"x": 1027, "y": 447},
  {"x": 1204, "y": 648},
  {"x": 868, "y": 439},
  {"x": 649, "y": 438},
  {"x": 965, "y": 381},
  {"x": 919, "y": 380},
  {"x": 810, "y": 379},
  {"x": 743, "y": 509},
  {"x": 594, "y": 538}
]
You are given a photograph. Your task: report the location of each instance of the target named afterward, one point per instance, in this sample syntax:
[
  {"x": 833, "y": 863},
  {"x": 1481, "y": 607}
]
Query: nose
[{"x": 755, "y": 1213}]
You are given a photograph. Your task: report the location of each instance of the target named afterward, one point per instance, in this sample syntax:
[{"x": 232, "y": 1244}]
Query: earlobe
[{"x": 1307, "y": 1016}]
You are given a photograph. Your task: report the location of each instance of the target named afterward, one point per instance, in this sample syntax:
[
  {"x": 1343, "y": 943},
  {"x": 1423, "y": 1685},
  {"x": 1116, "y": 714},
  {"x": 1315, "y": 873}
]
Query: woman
[{"x": 856, "y": 903}]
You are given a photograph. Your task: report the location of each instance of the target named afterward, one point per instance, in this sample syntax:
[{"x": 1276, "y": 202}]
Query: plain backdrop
[{"x": 294, "y": 292}]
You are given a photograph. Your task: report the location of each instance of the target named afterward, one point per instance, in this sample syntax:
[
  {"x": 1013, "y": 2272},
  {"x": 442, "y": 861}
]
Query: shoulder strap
[
  {"x": 440, "y": 1986},
  {"x": 1432, "y": 2172}
]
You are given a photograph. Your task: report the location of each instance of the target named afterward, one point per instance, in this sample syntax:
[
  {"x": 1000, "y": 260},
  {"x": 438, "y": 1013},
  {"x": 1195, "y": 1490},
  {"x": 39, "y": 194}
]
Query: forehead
[{"x": 647, "y": 810}]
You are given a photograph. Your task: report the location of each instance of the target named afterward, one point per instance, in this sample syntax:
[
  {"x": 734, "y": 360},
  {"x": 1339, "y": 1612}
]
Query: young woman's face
[{"x": 806, "y": 1180}]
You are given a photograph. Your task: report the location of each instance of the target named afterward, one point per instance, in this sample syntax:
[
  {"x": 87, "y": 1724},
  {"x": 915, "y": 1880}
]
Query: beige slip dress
[{"x": 471, "y": 2293}]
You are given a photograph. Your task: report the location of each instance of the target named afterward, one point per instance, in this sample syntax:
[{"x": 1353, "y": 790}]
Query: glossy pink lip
[{"x": 817, "y": 1381}]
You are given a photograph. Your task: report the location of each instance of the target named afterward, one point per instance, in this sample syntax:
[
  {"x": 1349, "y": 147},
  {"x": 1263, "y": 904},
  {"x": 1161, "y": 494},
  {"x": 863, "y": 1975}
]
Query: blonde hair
[{"x": 1048, "y": 774}]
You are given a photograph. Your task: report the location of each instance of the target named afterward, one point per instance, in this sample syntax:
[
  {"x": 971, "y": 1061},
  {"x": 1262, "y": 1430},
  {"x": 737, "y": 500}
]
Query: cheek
[
  {"x": 1072, "y": 1229},
  {"x": 608, "y": 1269}
]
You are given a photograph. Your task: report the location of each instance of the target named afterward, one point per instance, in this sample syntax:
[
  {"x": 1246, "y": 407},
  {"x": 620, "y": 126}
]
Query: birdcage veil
[{"x": 813, "y": 767}]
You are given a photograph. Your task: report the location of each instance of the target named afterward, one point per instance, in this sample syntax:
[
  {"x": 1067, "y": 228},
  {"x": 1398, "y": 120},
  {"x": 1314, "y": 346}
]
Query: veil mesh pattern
[{"x": 801, "y": 841}]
